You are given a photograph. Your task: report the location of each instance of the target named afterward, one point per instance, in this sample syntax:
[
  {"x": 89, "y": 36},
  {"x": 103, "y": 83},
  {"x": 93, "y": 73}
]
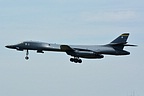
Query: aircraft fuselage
[
  {"x": 41, "y": 46},
  {"x": 77, "y": 51}
]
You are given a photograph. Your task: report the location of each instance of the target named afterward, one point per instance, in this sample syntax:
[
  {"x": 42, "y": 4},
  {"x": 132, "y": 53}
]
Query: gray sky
[{"x": 71, "y": 22}]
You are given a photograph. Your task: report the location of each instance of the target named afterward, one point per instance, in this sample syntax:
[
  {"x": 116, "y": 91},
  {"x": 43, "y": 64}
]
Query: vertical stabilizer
[{"x": 121, "y": 39}]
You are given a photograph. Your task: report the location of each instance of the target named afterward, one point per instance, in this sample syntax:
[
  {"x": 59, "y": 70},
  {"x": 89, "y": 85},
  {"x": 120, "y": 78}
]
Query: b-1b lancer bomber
[{"x": 77, "y": 51}]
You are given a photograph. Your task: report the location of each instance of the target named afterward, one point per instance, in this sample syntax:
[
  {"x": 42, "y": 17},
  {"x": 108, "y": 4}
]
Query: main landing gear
[
  {"x": 76, "y": 60},
  {"x": 27, "y": 53}
]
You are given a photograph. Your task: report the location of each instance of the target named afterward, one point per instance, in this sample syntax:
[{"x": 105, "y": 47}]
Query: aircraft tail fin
[{"x": 120, "y": 41}]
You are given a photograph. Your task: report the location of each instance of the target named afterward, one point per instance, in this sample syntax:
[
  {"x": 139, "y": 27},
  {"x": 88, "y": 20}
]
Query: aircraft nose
[{"x": 9, "y": 46}]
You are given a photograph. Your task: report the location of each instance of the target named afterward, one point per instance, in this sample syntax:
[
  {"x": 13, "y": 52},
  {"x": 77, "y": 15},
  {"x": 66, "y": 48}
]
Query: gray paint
[{"x": 77, "y": 51}]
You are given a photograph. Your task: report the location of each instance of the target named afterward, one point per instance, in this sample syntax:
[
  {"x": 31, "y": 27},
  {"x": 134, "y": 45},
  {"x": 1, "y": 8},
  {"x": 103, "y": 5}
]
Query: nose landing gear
[{"x": 27, "y": 53}]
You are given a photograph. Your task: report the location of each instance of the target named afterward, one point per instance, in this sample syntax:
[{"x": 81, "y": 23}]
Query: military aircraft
[{"x": 77, "y": 51}]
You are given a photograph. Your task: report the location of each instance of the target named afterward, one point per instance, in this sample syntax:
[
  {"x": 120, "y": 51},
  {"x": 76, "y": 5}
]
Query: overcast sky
[{"x": 71, "y": 22}]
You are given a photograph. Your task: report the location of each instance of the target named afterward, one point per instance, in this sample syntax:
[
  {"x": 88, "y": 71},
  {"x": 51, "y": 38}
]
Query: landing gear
[
  {"x": 76, "y": 60},
  {"x": 26, "y": 57},
  {"x": 27, "y": 53}
]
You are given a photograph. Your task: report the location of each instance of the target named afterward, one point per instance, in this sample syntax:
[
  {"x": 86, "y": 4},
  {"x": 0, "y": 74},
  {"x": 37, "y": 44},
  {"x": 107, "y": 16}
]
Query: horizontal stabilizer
[
  {"x": 130, "y": 45},
  {"x": 122, "y": 44}
]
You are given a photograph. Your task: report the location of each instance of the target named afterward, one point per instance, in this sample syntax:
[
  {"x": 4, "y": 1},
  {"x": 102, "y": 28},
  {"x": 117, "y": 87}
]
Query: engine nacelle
[{"x": 85, "y": 54}]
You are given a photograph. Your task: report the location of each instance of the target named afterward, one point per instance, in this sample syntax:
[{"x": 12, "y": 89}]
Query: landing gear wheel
[
  {"x": 76, "y": 60},
  {"x": 72, "y": 59},
  {"x": 80, "y": 61},
  {"x": 26, "y": 57}
]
